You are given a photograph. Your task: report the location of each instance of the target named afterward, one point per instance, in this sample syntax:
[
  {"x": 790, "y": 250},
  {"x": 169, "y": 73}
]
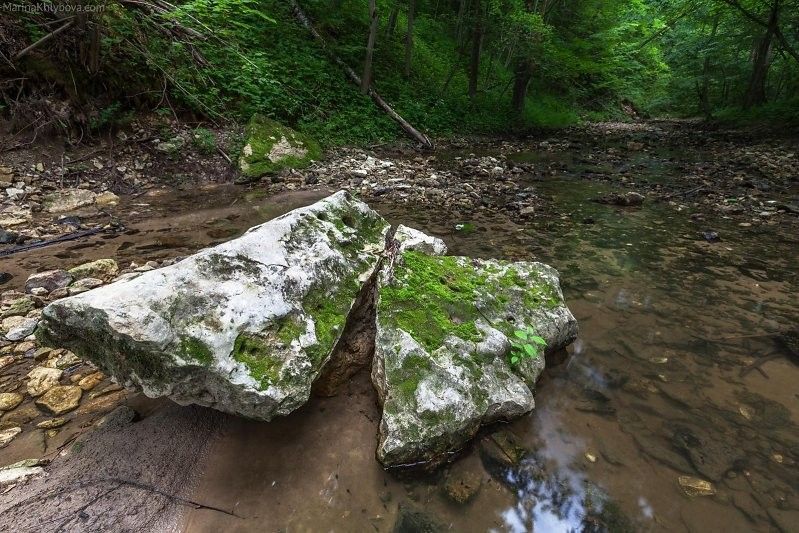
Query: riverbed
[{"x": 648, "y": 423}]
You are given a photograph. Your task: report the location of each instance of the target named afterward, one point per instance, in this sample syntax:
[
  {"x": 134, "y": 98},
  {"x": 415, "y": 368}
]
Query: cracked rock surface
[{"x": 244, "y": 327}]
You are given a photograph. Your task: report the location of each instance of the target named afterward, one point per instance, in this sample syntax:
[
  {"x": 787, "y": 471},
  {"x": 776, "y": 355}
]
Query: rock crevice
[{"x": 308, "y": 299}]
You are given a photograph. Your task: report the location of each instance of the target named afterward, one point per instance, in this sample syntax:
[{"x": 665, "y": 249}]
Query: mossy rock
[
  {"x": 442, "y": 366},
  {"x": 271, "y": 147}
]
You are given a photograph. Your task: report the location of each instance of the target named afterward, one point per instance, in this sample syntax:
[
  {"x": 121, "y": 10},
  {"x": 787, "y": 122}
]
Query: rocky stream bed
[{"x": 677, "y": 249}]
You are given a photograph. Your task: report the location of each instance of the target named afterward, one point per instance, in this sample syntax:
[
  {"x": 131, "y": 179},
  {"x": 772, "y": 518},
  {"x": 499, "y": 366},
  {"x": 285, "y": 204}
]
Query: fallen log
[
  {"x": 412, "y": 132},
  {"x": 41, "y": 244}
]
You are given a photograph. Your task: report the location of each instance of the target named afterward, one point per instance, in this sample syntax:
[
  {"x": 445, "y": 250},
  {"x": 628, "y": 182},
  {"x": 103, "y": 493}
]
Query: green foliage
[
  {"x": 709, "y": 52},
  {"x": 586, "y": 58},
  {"x": 526, "y": 345},
  {"x": 204, "y": 141},
  {"x": 110, "y": 116}
]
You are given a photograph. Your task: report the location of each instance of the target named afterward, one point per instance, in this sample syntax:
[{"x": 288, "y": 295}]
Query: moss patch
[
  {"x": 289, "y": 329},
  {"x": 329, "y": 313},
  {"x": 405, "y": 380},
  {"x": 230, "y": 267},
  {"x": 433, "y": 297},
  {"x": 256, "y": 353},
  {"x": 195, "y": 350}
]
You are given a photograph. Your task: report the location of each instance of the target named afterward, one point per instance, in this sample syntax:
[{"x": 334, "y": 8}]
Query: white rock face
[
  {"x": 244, "y": 327},
  {"x": 442, "y": 366},
  {"x": 413, "y": 239}
]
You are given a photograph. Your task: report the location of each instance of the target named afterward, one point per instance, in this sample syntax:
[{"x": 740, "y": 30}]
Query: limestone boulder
[
  {"x": 271, "y": 147},
  {"x": 442, "y": 364},
  {"x": 244, "y": 327}
]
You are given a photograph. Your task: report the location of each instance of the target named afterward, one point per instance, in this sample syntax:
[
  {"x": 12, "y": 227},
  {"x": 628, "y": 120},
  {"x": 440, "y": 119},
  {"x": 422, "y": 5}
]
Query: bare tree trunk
[
  {"x": 761, "y": 60},
  {"x": 409, "y": 37},
  {"x": 459, "y": 24},
  {"x": 366, "y": 79},
  {"x": 392, "y": 21},
  {"x": 704, "y": 89},
  {"x": 477, "y": 38},
  {"x": 412, "y": 132},
  {"x": 521, "y": 80}
]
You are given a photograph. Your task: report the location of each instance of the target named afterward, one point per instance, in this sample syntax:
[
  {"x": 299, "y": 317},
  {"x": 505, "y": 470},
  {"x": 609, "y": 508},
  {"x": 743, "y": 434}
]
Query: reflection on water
[{"x": 650, "y": 402}]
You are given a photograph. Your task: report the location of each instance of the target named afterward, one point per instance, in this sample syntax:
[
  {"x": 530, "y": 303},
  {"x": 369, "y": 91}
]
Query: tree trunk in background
[
  {"x": 412, "y": 132},
  {"x": 392, "y": 21},
  {"x": 477, "y": 40},
  {"x": 704, "y": 90},
  {"x": 459, "y": 24},
  {"x": 409, "y": 37},
  {"x": 366, "y": 79},
  {"x": 521, "y": 79},
  {"x": 761, "y": 60}
]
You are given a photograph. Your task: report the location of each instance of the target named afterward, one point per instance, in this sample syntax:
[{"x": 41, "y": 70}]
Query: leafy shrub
[{"x": 526, "y": 345}]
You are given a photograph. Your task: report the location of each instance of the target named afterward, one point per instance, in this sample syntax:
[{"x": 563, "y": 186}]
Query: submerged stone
[
  {"x": 244, "y": 327},
  {"x": 271, "y": 147},
  {"x": 444, "y": 327}
]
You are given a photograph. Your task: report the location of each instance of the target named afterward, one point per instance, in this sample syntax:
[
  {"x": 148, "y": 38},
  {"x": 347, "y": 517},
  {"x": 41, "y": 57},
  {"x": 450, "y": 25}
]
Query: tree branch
[
  {"x": 44, "y": 39},
  {"x": 754, "y": 18}
]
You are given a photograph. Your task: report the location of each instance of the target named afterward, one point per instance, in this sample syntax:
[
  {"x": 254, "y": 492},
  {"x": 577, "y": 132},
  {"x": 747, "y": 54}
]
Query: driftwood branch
[{"x": 415, "y": 134}]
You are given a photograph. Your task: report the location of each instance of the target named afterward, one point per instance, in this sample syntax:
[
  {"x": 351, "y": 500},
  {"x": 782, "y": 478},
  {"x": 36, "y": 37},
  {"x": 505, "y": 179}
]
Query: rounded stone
[{"x": 9, "y": 400}]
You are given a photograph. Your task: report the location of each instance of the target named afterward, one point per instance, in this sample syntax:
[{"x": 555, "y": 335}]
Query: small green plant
[
  {"x": 204, "y": 140},
  {"x": 527, "y": 345}
]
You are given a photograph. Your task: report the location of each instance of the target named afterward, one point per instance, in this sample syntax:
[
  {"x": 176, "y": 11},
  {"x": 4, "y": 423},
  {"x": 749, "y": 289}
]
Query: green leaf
[
  {"x": 521, "y": 334},
  {"x": 530, "y": 350},
  {"x": 538, "y": 340},
  {"x": 514, "y": 359}
]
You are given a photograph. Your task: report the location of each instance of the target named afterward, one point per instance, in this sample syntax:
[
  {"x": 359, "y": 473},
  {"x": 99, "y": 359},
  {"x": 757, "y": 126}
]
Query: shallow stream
[{"x": 651, "y": 390}]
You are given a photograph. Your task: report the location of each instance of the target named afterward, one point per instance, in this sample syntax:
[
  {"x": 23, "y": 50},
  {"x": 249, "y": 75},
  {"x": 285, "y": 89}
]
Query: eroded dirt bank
[{"x": 650, "y": 400}]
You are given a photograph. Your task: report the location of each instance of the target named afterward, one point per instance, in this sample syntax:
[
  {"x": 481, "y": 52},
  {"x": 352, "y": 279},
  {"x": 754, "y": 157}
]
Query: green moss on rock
[
  {"x": 329, "y": 313},
  {"x": 271, "y": 147},
  {"x": 196, "y": 350},
  {"x": 406, "y": 379},
  {"x": 433, "y": 297},
  {"x": 256, "y": 353}
]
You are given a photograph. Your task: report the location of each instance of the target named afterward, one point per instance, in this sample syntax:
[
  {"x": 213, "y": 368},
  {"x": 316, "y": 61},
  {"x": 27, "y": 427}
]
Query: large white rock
[
  {"x": 244, "y": 327},
  {"x": 442, "y": 366}
]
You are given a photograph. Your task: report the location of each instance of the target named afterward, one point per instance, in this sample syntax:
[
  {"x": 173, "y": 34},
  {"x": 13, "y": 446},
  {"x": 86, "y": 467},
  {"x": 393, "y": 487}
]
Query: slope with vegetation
[{"x": 446, "y": 66}]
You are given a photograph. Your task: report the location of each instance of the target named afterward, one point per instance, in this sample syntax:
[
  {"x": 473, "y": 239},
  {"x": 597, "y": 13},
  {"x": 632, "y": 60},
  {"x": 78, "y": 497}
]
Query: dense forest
[{"x": 445, "y": 66}]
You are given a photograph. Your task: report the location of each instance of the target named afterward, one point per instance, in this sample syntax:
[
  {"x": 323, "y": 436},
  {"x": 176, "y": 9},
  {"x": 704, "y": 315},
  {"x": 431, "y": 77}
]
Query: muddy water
[{"x": 651, "y": 390}]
